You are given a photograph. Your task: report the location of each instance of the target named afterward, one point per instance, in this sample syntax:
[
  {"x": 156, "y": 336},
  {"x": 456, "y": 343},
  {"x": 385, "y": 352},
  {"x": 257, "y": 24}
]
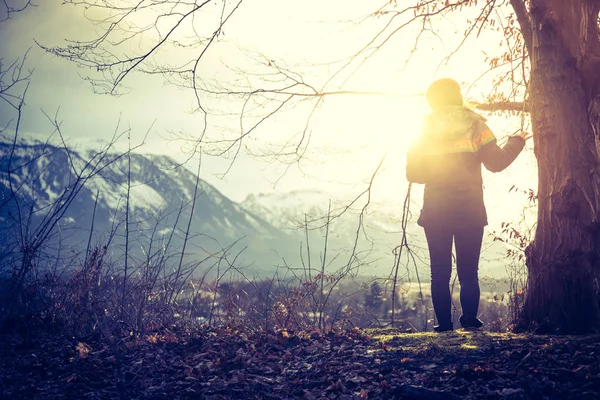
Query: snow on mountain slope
[{"x": 288, "y": 210}]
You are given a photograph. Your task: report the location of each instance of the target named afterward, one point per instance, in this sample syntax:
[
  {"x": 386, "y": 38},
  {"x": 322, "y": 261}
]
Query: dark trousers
[{"x": 467, "y": 241}]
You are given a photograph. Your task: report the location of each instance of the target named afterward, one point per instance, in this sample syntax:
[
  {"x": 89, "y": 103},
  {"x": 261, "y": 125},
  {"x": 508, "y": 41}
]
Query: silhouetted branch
[
  {"x": 9, "y": 7},
  {"x": 503, "y": 106}
]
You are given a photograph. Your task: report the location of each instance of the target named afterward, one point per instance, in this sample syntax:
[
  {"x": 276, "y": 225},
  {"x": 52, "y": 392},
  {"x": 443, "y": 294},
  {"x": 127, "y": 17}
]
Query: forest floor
[{"x": 231, "y": 364}]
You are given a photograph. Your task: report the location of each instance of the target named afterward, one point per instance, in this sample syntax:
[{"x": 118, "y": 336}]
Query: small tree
[{"x": 374, "y": 299}]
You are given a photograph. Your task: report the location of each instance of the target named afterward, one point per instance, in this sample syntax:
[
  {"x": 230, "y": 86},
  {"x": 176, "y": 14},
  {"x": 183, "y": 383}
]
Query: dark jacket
[{"x": 447, "y": 158}]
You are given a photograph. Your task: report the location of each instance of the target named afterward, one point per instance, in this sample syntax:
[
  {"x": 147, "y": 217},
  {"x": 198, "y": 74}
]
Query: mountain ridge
[{"x": 41, "y": 174}]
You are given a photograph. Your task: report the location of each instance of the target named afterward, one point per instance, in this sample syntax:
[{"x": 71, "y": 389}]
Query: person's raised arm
[{"x": 496, "y": 158}]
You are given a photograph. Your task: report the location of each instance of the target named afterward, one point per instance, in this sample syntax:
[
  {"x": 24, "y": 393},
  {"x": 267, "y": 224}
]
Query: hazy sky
[{"x": 350, "y": 133}]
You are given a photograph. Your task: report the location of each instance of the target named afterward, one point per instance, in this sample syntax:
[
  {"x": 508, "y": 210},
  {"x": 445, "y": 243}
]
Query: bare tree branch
[
  {"x": 503, "y": 106},
  {"x": 9, "y": 7}
]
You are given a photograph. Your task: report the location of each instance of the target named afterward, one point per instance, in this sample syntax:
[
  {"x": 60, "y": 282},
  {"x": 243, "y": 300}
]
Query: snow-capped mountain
[
  {"x": 86, "y": 191},
  {"x": 379, "y": 231}
]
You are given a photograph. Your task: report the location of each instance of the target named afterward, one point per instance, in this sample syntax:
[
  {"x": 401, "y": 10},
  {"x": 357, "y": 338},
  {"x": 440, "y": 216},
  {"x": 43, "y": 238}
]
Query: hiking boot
[
  {"x": 470, "y": 322},
  {"x": 443, "y": 328}
]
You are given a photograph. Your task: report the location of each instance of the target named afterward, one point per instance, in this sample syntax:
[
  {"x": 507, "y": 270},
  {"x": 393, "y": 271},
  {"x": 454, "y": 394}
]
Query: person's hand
[{"x": 524, "y": 135}]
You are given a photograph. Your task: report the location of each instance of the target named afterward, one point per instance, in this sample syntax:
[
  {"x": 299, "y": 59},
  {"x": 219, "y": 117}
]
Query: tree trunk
[{"x": 563, "y": 294}]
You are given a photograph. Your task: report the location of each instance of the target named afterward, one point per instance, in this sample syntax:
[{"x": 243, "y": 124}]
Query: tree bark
[{"x": 563, "y": 293}]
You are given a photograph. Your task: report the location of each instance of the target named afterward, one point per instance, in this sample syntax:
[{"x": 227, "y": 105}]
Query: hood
[{"x": 450, "y": 122}]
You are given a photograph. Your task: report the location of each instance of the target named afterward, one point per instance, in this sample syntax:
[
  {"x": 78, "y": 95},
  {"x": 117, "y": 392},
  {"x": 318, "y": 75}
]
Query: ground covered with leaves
[{"x": 221, "y": 363}]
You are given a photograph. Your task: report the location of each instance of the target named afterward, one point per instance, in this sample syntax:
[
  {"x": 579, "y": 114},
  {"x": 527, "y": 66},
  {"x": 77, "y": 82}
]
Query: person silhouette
[{"x": 454, "y": 143}]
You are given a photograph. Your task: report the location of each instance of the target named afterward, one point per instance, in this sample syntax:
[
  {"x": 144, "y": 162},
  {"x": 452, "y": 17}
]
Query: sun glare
[{"x": 357, "y": 131}]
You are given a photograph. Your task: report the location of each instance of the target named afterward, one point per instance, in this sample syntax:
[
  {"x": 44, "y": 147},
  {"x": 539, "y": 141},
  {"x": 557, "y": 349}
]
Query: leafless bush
[{"x": 517, "y": 236}]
